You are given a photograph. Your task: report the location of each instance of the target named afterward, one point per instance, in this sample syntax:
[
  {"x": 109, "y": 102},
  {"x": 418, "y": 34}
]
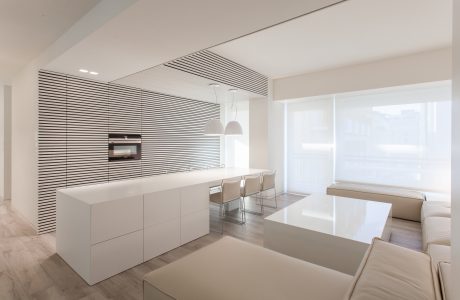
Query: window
[
  {"x": 397, "y": 136},
  {"x": 310, "y": 141}
]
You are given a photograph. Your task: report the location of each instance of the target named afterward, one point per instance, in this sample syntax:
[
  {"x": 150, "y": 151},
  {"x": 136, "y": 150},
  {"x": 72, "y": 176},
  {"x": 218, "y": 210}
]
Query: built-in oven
[{"x": 124, "y": 146}]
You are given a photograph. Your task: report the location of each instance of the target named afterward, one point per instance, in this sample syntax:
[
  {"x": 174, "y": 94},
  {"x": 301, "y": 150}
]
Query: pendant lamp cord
[{"x": 233, "y": 104}]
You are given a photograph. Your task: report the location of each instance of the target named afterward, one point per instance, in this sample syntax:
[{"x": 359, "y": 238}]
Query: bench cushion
[
  {"x": 392, "y": 272},
  {"x": 406, "y": 204},
  {"x": 233, "y": 269},
  {"x": 445, "y": 277},
  {"x": 439, "y": 253},
  {"x": 430, "y": 210},
  {"x": 436, "y": 230}
]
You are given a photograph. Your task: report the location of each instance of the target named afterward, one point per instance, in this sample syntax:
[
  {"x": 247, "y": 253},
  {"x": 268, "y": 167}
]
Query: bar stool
[
  {"x": 268, "y": 183},
  {"x": 251, "y": 186},
  {"x": 229, "y": 191}
]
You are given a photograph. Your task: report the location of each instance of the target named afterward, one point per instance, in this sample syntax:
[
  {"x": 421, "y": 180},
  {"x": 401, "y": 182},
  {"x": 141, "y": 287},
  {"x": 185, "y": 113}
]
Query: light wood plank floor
[{"x": 31, "y": 269}]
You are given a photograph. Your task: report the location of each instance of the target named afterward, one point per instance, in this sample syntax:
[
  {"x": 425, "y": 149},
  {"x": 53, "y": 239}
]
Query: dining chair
[
  {"x": 268, "y": 183},
  {"x": 229, "y": 191},
  {"x": 252, "y": 186}
]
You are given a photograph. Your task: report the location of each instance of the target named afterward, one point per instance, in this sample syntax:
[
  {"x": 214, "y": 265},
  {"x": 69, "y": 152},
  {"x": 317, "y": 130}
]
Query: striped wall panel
[
  {"x": 75, "y": 117},
  {"x": 172, "y": 134},
  {"x": 125, "y": 116},
  {"x": 87, "y": 131},
  {"x": 214, "y": 67},
  {"x": 51, "y": 146}
]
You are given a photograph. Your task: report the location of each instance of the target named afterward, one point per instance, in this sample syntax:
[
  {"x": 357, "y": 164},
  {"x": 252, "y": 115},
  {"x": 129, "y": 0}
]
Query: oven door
[
  {"x": 124, "y": 147},
  {"x": 124, "y": 151}
]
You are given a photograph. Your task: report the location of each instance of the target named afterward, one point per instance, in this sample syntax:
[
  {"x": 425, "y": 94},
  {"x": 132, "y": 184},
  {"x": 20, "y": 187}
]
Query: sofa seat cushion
[
  {"x": 431, "y": 210},
  {"x": 406, "y": 204},
  {"x": 445, "y": 277},
  {"x": 233, "y": 269},
  {"x": 390, "y": 272},
  {"x": 436, "y": 230},
  {"x": 439, "y": 253}
]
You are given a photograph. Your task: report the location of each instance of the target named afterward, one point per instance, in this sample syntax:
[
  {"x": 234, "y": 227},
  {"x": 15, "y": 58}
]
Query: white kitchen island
[{"x": 104, "y": 229}]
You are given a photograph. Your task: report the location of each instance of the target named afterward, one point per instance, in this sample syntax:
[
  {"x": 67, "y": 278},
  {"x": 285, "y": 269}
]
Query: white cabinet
[
  {"x": 116, "y": 255},
  {"x": 194, "y": 225},
  {"x": 115, "y": 218},
  {"x": 161, "y": 222},
  {"x": 161, "y": 238},
  {"x": 194, "y": 212}
]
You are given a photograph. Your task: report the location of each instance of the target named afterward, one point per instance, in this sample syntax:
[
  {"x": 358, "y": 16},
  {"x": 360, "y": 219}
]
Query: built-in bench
[{"x": 406, "y": 204}]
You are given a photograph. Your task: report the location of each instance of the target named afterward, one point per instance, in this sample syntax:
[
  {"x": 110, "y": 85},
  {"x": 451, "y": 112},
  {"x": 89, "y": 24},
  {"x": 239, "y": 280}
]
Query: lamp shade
[
  {"x": 213, "y": 127},
  {"x": 233, "y": 128}
]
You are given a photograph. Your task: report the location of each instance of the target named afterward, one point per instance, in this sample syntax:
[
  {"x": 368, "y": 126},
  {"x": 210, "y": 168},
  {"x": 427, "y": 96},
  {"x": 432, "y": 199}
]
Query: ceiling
[
  {"x": 152, "y": 32},
  {"x": 352, "y": 32},
  {"x": 170, "y": 81},
  {"x": 28, "y": 27}
]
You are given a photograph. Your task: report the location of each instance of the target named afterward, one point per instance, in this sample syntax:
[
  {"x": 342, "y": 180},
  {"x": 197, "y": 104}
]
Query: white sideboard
[{"x": 105, "y": 229}]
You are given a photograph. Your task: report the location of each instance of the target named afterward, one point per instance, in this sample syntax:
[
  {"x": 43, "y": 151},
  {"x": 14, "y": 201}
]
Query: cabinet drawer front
[
  {"x": 161, "y": 207},
  {"x": 194, "y": 226},
  {"x": 115, "y": 218},
  {"x": 117, "y": 255},
  {"x": 161, "y": 238},
  {"x": 194, "y": 198}
]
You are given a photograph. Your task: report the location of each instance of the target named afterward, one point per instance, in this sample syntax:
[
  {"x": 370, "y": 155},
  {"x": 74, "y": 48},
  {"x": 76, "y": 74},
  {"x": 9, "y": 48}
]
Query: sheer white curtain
[
  {"x": 310, "y": 141},
  {"x": 397, "y": 137}
]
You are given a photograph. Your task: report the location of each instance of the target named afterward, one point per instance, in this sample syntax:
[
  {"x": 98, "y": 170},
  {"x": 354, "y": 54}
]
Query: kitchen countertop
[{"x": 98, "y": 193}]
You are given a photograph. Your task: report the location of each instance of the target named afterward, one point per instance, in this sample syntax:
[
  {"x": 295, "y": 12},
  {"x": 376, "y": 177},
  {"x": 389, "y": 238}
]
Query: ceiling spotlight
[
  {"x": 93, "y": 73},
  {"x": 83, "y": 70}
]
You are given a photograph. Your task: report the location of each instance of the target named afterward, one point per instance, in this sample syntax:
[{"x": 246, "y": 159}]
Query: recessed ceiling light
[
  {"x": 93, "y": 73},
  {"x": 83, "y": 70}
]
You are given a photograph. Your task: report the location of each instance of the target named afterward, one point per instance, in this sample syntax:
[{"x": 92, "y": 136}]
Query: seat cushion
[
  {"x": 390, "y": 272},
  {"x": 439, "y": 253},
  {"x": 436, "y": 230},
  {"x": 431, "y": 210},
  {"x": 406, "y": 204},
  {"x": 445, "y": 277},
  {"x": 233, "y": 269}
]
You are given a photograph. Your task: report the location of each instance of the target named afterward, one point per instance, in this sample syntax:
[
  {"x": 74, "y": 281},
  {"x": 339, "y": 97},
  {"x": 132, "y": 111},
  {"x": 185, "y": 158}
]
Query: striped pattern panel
[
  {"x": 51, "y": 146},
  {"x": 125, "y": 116},
  {"x": 214, "y": 67},
  {"x": 87, "y": 131},
  {"x": 172, "y": 134}
]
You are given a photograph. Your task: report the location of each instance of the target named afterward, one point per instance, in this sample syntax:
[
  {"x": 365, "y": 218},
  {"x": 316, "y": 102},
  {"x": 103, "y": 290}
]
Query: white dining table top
[
  {"x": 97, "y": 193},
  {"x": 354, "y": 219}
]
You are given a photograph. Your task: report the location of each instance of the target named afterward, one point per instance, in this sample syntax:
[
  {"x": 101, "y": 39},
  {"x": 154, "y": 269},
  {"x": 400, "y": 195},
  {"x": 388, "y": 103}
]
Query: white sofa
[{"x": 233, "y": 269}]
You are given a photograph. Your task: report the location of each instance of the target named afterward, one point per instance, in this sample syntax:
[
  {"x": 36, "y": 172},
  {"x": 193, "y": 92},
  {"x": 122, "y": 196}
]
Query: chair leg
[
  {"x": 243, "y": 211},
  {"x": 251, "y": 211},
  {"x": 271, "y": 206},
  {"x": 221, "y": 221}
]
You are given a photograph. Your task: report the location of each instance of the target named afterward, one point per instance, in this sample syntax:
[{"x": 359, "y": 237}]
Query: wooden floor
[{"x": 31, "y": 269}]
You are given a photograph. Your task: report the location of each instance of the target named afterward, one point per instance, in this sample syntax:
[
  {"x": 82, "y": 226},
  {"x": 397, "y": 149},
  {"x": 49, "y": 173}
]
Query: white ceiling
[
  {"x": 352, "y": 32},
  {"x": 152, "y": 32},
  {"x": 170, "y": 81},
  {"x": 28, "y": 27}
]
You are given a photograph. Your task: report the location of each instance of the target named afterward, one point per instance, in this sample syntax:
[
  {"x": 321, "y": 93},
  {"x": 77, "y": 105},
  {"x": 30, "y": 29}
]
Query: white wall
[
  {"x": 2, "y": 142},
  {"x": 7, "y": 143},
  {"x": 416, "y": 68},
  {"x": 24, "y": 171},
  {"x": 456, "y": 149},
  {"x": 258, "y": 133}
]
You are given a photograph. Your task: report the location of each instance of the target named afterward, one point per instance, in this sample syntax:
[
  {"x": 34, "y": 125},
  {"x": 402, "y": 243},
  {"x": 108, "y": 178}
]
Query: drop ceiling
[
  {"x": 152, "y": 32},
  {"x": 27, "y": 28},
  {"x": 352, "y": 32}
]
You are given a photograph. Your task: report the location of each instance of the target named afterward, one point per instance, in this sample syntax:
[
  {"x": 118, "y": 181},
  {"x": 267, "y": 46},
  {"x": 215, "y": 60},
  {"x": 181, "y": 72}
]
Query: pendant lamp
[
  {"x": 214, "y": 126},
  {"x": 233, "y": 127}
]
